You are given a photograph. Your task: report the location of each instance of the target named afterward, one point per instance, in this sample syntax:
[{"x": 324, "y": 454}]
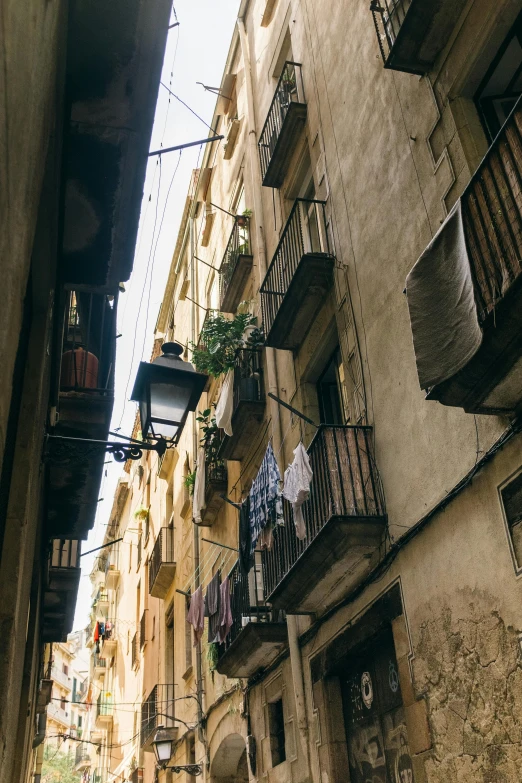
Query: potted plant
[
  {"x": 242, "y": 220},
  {"x": 220, "y": 341},
  {"x": 189, "y": 482},
  {"x": 141, "y": 513}
]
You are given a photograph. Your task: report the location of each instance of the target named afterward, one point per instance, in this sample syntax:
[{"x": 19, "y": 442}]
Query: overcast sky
[{"x": 196, "y": 52}]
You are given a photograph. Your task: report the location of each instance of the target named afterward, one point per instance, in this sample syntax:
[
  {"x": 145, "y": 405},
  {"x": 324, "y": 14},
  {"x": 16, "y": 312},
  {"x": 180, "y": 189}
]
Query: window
[
  {"x": 65, "y": 668},
  {"x": 375, "y": 725},
  {"x": 512, "y": 501},
  {"x": 62, "y": 703},
  {"x": 80, "y": 721},
  {"x": 502, "y": 84},
  {"x": 276, "y": 725},
  {"x": 329, "y": 391}
]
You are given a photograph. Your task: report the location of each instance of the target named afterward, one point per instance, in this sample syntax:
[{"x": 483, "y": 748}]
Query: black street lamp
[
  {"x": 162, "y": 746},
  {"x": 166, "y": 390}
]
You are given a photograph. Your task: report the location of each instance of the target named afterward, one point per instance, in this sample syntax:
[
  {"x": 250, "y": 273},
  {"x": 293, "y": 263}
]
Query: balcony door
[
  {"x": 376, "y": 734},
  {"x": 330, "y": 392}
]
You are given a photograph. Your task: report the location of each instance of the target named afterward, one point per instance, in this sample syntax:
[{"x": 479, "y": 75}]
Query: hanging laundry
[
  {"x": 296, "y": 487},
  {"x": 212, "y": 607},
  {"x": 266, "y": 505},
  {"x": 246, "y": 558},
  {"x": 225, "y": 404},
  {"x": 96, "y": 632},
  {"x": 198, "y": 499},
  {"x": 225, "y": 613},
  {"x": 196, "y": 614}
]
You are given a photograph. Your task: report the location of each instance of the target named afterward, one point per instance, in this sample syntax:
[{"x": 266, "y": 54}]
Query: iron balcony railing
[
  {"x": 104, "y": 706},
  {"x": 345, "y": 483},
  {"x": 162, "y": 552},
  {"x": 157, "y": 709},
  {"x": 65, "y": 553},
  {"x": 215, "y": 472},
  {"x": 305, "y": 232},
  {"x": 102, "y": 596},
  {"x": 247, "y": 603},
  {"x": 89, "y": 343},
  {"x": 134, "y": 649},
  {"x": 238, "y": 245},
  {"x": 143, "y": 629},
  {"x": 248, "y": 377},
  {"x": 289, "y": 90},
  {"x": 388, "y": 17},
  {"x": 140, "y": 548},
  {"x": 98, "y": 662},
  {"x": 81, "y": 753},
  {"x": 492, "y": 215}
]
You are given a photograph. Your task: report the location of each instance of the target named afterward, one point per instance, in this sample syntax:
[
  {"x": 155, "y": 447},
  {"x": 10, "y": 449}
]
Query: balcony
[
  {"x": 112, "y": 576},
  {"x": 157, "y": 709},
  {"x": 345, "y": 523},
  {"x": 104, "y": 712},
  {"x": 101, "y": 602},
  {"x": 110, "y": 639},
  {"x": 248, "y": 405},
  {"x": 82, "y": 759},
  {"x": 99, "y": 665},
  {"x": 258, "y": 634},
  {"x": 299, "y": 277},
  {"x": 283, "y": 125},
  {"x": 491, "y": 380},
  {"x": 85, "y": 400},
  {"x": 63, "y": 579},
  {"x": 216, "y": 485},
  {"x": 162, "y": 564},
  {"x": 411, "y": 33},
  {"x": 58, "y": 714},
  {"x": 61, "y": 678},
  {"x": 236, "y": 266}
]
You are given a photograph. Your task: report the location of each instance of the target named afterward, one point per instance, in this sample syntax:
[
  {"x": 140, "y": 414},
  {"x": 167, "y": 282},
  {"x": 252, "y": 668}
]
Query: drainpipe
[{"x": 293, "y": 634}]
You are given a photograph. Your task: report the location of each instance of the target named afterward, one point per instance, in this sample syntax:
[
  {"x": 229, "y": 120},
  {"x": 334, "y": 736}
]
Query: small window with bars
[{"x": 511, "y": 495}]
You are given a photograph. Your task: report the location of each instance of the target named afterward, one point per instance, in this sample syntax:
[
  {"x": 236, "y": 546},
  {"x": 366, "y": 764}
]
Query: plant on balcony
[
  {"x": 210, "y": 439},
  {"x": 189, "y": 482},
  {"x": 141, "y": 513},
  {"x": 220, "y": 340}
]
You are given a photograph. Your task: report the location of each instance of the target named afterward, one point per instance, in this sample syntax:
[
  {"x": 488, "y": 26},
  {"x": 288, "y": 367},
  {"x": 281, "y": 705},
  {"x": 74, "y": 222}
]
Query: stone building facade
[{"x": 385, "y": 646}]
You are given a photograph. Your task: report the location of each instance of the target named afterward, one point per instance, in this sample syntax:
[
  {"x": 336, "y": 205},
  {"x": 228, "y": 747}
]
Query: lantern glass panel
[
  {"x": 168, "y": 403},
  {"x": 163, "y": 750}
]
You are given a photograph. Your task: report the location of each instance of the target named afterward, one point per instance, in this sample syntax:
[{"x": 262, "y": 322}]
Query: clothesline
[{"x": 216, "y": 556}]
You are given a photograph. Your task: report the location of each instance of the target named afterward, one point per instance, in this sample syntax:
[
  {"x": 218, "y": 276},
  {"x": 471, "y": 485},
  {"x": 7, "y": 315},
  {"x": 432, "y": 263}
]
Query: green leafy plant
[
  {"x": 212, "y": 656},
  {"x": 141, "y": 513},
  {"x": 220, "y": 340},
  {"x": 189, "y": 481},
  {"x": 210, "y": 435}
]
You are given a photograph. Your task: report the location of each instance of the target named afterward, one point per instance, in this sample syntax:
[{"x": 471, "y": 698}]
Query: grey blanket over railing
[{"x": 443, "y": 313}]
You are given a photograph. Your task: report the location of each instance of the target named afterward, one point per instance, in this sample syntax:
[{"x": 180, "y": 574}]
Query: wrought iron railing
[
  {"x": 98, "y": 662},
  {"x": 492, "y": 214},
  {"x": 388, "y": 17},
  {"x": 238, "y": 245},
  {"x": 89, "y": 343},
  {"x": 157, "y": 709},
  {"x": 104, "y": 706},
  {"x": 345, "y": 483},
  {"x": 81, "y": 753},
  {"x": 289, "y": 90},
  {"x": 247, "y": 603},
  {"x": 305, "y": 232},
  {"x": 248, "y": 377},
  {"x": 140, "y": 548},
  {"x": 143, "y": 629},
  {"x": 162, "y": 552},
  {"x": 65, "y": 553}
]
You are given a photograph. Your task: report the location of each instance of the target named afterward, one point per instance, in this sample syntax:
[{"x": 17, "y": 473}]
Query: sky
[{"x": 196, "y": 52}]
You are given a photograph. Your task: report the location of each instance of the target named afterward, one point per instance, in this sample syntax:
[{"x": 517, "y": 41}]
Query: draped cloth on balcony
[
  {"x": 196, "y": 614},
  {"x": 198, "y": 500},
  {"x": 443, "y": 312},
  {"x": 213, "y": 607},
  {"x": 246, "y": 557},
  {"x": 266, "y": 504},
  {"x": 296, "y": 488},
  {"x": 225, "y": 404}
]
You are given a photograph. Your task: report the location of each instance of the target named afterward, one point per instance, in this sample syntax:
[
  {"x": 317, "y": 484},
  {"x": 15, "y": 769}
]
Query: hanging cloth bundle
[
  {"x": 296, "y": 488},
  {"x": 266, "y": 505},
  {"x": 198, "y": 500},
  {"x": 225, "y": 404}
]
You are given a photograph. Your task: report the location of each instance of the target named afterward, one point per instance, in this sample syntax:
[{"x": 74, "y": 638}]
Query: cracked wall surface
[{"x": 468, "y": 666}]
